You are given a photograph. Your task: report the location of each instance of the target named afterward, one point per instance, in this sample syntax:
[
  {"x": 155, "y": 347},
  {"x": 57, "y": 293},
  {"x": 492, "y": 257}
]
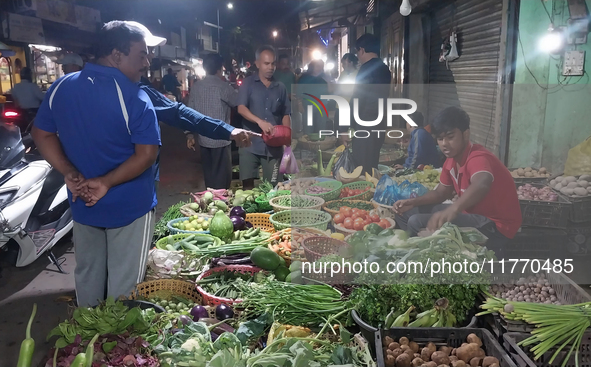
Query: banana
[
  {"x": 391, "y": 317},
  {"x": 404, "y": 319},
  {"x": 423, "y": 318}
]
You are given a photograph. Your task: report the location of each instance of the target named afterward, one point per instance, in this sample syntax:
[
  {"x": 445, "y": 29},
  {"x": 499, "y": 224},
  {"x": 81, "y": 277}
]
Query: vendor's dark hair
[
  {"x": 449, "y": 119},
  {"x": 26, "y": 74},
  {"x": 350, "y": 57},
  {"x": 369, "y": 43},
  {"x": 117, "y": 35},
  {"x": 212, "y": 63},
  {"x": 418, "y": 118},
  {"x": 262, "y": 49},
  {"x": 283, "y": 56}
]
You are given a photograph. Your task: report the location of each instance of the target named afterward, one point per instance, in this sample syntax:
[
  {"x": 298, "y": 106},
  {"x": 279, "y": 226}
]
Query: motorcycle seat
[{"x": 53, "y": 183}]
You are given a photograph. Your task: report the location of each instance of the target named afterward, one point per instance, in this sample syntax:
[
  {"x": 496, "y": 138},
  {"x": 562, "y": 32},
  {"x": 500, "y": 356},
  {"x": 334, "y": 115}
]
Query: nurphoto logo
[{"x": 345, "y": 115}]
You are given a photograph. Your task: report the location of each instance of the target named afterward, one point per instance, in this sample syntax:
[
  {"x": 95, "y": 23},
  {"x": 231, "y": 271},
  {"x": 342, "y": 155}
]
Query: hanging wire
[{"x": 547, "y": 12}]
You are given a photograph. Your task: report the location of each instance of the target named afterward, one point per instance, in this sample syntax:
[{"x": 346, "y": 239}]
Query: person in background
[
  {"x": 487, "y": 197},
  {"x": 71, "y": 63},
  {"x": 99, "y": 129},
  {"x": 178, "y": 115},
  {"x": 311, "y": 82},
  {"x": 27, "y": 95},
  {"x": 349, "y": 63},
  {"x": 284, "y": 74},
  {"x": 264, "y": 103},
  {"x": 214, "y": 97},
  {"x": 171, "y": 84},
  {"x": 422, "y": 149},
  {"x": 371, "y": 85}
]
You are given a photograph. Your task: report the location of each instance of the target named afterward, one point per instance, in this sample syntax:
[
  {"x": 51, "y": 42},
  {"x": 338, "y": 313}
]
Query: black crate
[
  {"x": 531, "y": 243},
  {"x": 545, "y": 214},
  {"x": 524, "y": 358},
  {"x": 524, "y": 180},
  {"x": 579, "y": 238},
  {"x": 581, "y": 209},
  {"x": 453, "y": 337}
]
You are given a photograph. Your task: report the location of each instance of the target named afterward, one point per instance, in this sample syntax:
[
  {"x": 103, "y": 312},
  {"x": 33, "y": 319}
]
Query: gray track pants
[{"x": 111, "y": 261}]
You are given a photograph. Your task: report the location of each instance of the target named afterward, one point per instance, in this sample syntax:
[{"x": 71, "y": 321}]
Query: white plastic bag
[{"x": 289, "y": 164}]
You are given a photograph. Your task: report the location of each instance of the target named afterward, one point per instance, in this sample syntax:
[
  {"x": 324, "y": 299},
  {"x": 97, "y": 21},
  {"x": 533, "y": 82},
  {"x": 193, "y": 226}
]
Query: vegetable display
[
  {"x": 315, "y": 189},
  {"x": 529, "y": 192},
  {"x": 221, "y": 226},
  {"x": 558, "y": 327},
  {"x": 532, "y": 289},
  {"x": 438, "y": 316},
  {"x": 347, "y": 192},
  {"x": 337, "y": 204},
  {"x": 428, "y": 178},
  {"x": 174, "y": 212},
  {"x": 529, "y": 172},
  {"x": 193, "y": 224},
  {"x": 572, "y": 186},
  {"x": 357, "y": 219},
  {"x": 227, "y": 284}
]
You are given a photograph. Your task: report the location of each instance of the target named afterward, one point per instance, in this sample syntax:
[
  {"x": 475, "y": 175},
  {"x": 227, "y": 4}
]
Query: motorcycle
[
  {"x": 14, "y": 115},
  {"x": 34, "y": 209}
]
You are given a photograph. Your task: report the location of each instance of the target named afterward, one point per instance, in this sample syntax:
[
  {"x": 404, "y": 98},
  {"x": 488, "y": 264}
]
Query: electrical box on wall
[{"x": 574, "y": 63}]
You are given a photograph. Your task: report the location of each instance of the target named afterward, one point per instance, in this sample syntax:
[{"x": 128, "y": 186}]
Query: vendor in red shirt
[{"x": 487, "y": 198}]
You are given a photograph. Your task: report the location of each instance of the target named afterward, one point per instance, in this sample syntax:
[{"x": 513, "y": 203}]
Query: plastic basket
[
  {"x": 179, "y": 231},
  {"x": 263, "y": 203},
  {"x": 260, "y": 220},
  {"x": 366, "y": 196},
  {"x": 525, "y": 358},
  {"x": 546, "y": 214},
  {"x": 166, "y": 288},
  {"x": 453, "y": 337},
  {"x": 581, "y": 209},
  {"x": 334, "y": 185},
  {"x": 161, "y": 243},
  {"x": 341, "y": 229},
  {"x": 210, "y": 299},
  {"x": 344, "y": 202},
  {"x": 286, "y": 219},
  {"x": 278, "y": 208}
]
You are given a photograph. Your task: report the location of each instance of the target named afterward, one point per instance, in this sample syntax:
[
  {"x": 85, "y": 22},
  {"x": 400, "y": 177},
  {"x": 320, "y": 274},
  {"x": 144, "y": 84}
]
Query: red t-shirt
[{"x": 501, "y": 204}]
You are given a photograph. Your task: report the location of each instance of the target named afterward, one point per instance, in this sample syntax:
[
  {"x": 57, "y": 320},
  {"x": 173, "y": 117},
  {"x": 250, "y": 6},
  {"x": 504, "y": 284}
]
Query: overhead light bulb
[
  {"x": 329, "y": 66},
  {"x": 405, "y": 8},
  {"x": 552, "y": 41},
  {"x": 316, "y": 55}
]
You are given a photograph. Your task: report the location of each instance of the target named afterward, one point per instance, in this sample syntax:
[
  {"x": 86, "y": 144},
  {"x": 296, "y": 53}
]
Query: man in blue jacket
[{"x": 422, "y": 149}]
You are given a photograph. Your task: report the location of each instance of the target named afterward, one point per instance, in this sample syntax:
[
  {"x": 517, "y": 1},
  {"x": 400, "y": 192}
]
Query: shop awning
[
  {"x": 6, "y": 51},
  {"x": 326, "y": 13}
]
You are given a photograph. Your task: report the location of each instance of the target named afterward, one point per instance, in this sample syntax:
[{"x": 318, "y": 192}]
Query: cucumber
[
  {"x": 170, "y": 248},
  {"x": 190, "y": 247},
  {"x": 170, "y": 240},
  {"x": 265, "y": 258}
]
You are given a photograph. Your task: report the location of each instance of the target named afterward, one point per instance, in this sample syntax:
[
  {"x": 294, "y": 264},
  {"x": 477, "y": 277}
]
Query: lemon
[
  {"x": 338, "y": 236},
  {"x": 199, "y": 220},
  {"x": 205, "y": 225}
]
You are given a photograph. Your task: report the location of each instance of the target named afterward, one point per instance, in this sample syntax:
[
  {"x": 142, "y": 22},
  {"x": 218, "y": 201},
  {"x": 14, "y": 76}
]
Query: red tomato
[
  {"x": 342, "y": 208},
  {"x": 348, "y": 223},
  {"x": 347, "y": 212},
  {"x": 339, "y": 218},
  {"x": 384, "y": 224},
  {"x": 358, "y": 225},
  {"x": 354, "y": 210},
  {"x": 356, "y": 215},
  {"x": 363, "y": 212},
  {"x": 374, "y": 217},
  {"x": 368, "y": 221}
]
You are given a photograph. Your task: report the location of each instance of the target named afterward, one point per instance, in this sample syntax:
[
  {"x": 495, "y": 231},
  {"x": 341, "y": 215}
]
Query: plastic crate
[
  {"x": 369, "y": 331},
  {"x": 453, "y": 337},
  {"x": 530, "y": 180},
  {"x": 525, "y": 358},
  {"x": 579, "y": 238},
  {"x": 530, "y": 243},
  {"x": 581, "y": 209},
  {"x": 546, "y": 214}
]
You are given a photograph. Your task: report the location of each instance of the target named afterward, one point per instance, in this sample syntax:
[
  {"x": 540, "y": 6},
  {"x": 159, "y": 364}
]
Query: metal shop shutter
[{"x": 471, "y": 81}]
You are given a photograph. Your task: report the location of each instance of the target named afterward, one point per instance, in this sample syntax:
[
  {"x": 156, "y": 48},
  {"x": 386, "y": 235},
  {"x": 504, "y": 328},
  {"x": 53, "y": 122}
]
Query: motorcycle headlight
[{"x": 7, "y": 196}]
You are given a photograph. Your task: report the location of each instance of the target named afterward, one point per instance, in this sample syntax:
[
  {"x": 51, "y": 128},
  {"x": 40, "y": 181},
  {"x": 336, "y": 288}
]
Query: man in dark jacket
[{"x": 371, "y": 84}]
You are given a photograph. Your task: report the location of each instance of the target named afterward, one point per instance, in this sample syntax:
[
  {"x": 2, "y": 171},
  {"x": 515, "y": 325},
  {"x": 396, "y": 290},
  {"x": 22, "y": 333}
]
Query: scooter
[{"x": 34, "y": 209}]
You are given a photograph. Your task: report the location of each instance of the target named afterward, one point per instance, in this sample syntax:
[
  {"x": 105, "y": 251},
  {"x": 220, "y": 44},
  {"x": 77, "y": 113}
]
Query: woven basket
[
  {"x": 366, "y": 196},
  {"x": 286, "y": 218},
  {"x": 347, "y": 232},
  {"x": 318, "y": 247},
  {"x": 278, "y": 208},
  {"x": 165, "y": 289},
  {"x": 335, "y": 212},
  {"x": 212, "y": 300},
  {"x": 161, "y": 243},
  {"x": 315, "y": 146},
  {"x": 331, "y": 195},
  {"x": 178, "y": 231},
  {"x": 260, "y": 220}
]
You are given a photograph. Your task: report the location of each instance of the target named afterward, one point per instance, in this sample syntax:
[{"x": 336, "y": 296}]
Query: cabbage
[{"x": 221, "y": 226}]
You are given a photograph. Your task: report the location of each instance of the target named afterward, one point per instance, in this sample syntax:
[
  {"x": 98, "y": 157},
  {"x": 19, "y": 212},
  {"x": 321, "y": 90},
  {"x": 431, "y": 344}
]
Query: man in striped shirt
[{"x": 214, "y": 97}]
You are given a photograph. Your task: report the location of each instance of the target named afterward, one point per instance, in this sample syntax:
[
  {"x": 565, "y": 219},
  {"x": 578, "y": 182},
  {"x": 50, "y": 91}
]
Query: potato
[
  {"x": 570, "y": 178},
  {"x": 466, "y": 353},
  {"x": 481, "y": 354},
  {"x": 543, "y": 170},
  {"x": 453, "y": 359},
  {"x": 417, "y": 355},
  {"x": 529, "y": 174},
  {"x": 559, "y": 179},
  {"x": 387, "y": 341},
  {"x": 585, "y": 177},
  {"x": 515, "y": 174},
  {"x": 475, "y": 362},
  {"x": 432, "y": 347},
  {"x": 552, "y": 183},
  {"x": 440, "y": 358},
  {"x": 410, "y": 353},
  {"x": 589, "y": 189},
  {"x": 473, "y": 338},
  {"x": 488, "y": 361},
  {"x": 417, "y": 362},
  {"x": 580, "y": 191},
  {"x": 563, "y": 191},
  {"x": 572, "y": 185},
  {"x": 403, "y": 360},
  {"x": 426, "y": 354},
  {"x": 520, "y": 171},
  {"x": 403, "y": 341},
  {"x": 389, "y": 352},
  {"x": 405, "y": 347},
  {"x": 397, "y": 352},
  {"x": 558, "y": 186},
  {"x": 430, "y": 364},
  {"x": 393, "y": 346},
  {"x": 569, "y": 192},
  {"x": 458, "y": 363},
  {"x": 414, "y": 346},
  {"x": 494, "y": 365},
  {"x": 453, "y": 352},
  {"x": 583, "y": 183},
  {"x": 390, "y": 361},
  {"x": 445, "y": 349},
  {"x": 528, "y": 169}
]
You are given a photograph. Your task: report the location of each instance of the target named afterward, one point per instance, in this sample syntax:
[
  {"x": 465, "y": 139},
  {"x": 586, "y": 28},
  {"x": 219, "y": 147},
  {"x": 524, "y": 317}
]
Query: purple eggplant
[
  {"x": 224, "y": 312},
  {"x": 248, "y": 225},
  {"x": 238, "y": 211},
  {"x": 199, "y": 312},
  {"x": 238, "y": 223}
]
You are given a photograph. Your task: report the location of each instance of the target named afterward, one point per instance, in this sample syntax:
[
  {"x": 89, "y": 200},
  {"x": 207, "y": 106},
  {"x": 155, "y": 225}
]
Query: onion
[
  {"x": 224, "y": 312},
  {"x": 199, "y": 312},
  {"x": 238, "y": 223}
]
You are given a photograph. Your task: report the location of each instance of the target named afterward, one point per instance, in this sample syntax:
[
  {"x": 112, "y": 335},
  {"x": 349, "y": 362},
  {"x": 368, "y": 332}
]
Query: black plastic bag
[{"x": 345, "y": 161}]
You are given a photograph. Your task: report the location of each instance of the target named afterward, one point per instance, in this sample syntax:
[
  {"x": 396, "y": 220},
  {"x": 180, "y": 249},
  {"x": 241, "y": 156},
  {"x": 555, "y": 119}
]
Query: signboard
[
  {"x": 25, "y": 29},
  {"x": 57, "y": 11},
  {"x": 87, "y": 18}
]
